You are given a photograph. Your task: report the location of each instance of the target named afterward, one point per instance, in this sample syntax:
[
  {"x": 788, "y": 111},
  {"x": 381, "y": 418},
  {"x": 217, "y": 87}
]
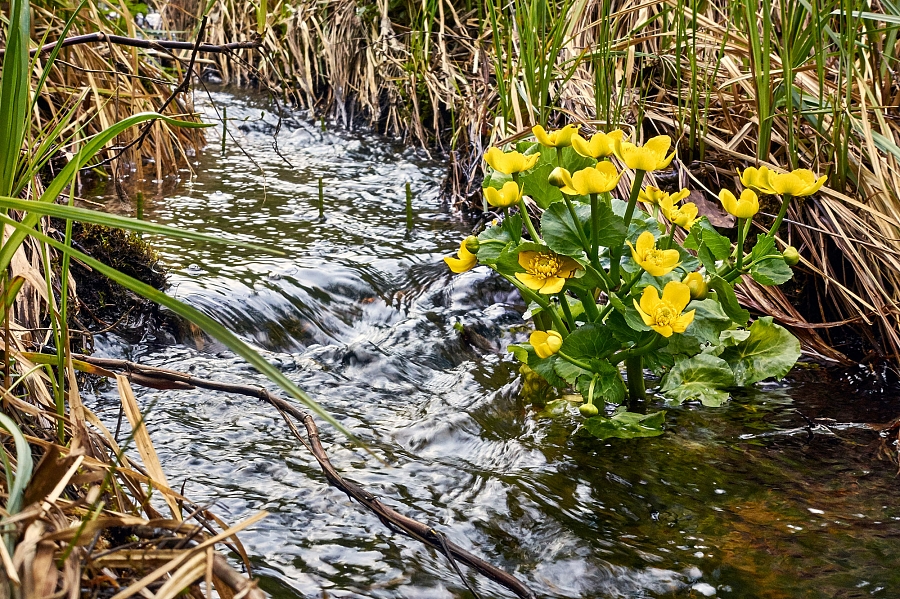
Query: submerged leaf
[{"x": 626, "y": 425}]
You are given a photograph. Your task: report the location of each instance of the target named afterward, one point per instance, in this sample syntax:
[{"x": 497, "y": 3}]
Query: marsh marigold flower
[
  {"x": 545, "y": 343},
  {"x": 684, "y": 216},
  {"x": 509, "y": 162},
  {"x": 506, "y": 196},
  {"x": 649, "y": 157},
  {"x": 546, "y": 272},
  {"x": 555, "y": 139},
  {"x": 596, "y": 179},
  {"x": 654, "y": 261},
  {"x": 562, "y": 178},
  {"x": 601, "y": 144},
  {"x": 798, "y": 183},
  {"x": 664, "y": 315},
  {"x": 745, "y": 207},
  {"x": 697, "y": 284},
  {"x": 757, "y": 179},
  {"x": 465, "y": 260},
  {"x": 653, "y": 195}
]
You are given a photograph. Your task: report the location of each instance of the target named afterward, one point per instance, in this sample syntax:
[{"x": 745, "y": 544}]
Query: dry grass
[
  {"x": 431, "y": 71},
  {"x": 101, "y": 83}
]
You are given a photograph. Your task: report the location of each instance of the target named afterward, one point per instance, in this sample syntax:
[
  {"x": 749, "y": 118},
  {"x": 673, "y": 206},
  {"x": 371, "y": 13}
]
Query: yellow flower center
[
  {"x": 544, "y": 265},
  {"x": 656, "y": 257},
  {"x": 665, "y": 314}
]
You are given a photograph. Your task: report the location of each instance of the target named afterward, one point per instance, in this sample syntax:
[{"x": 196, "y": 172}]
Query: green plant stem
[
  {"x": 615, "y": 254},
  {"x": 574, "y": 361},
  {"x": 785, "y": 202},
  {"x": 566, "y": 310},
  {"x": 634, "y": 369},
  {"x": 595, "y": 231},
  {"x": 670, "y": 237},
  {"x": 542, "y": 302},
  {"x": 581, "y": 236},
  {"x": 507, "y": 224},
  {"x": 589, "y": 304},
  {"x": 742, "y": 235},
  {"x": 528, "y": 224}
]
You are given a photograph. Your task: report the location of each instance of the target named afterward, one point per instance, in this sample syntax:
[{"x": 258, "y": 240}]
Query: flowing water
[{"x": 780, "y": 493}]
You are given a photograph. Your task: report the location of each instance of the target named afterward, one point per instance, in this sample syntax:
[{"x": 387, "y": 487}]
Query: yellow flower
[
  {"x": 684, "y": 216},
  {"x": 464, "y": 261},
  {"x": 664, "y": 315},
  {"x": 654, "y": 261},
  {"x": 600, "y": 146},
  {"x": 555, "y": 139},
  {"x": 653, "y": 195},
  {"x": 509, "y": 162},
  {"x": 798, "y": 183},
  {"x": 546, "y": 272},
  {"x": 697, "y": 284},
  {"x": 757, "y": 179},
  {"x": 506, "y": 196},
  {"x": 561, "y": 178},
  {"x": 545, "y": 343},
  {"x": 745, "y": 207},
  {"x": 649, "y": 157},
  {"x": 596, "y": 179}
]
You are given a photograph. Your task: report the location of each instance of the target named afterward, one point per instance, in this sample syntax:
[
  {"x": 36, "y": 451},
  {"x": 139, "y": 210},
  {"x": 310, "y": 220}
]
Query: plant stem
[
  {"x": 595, "y": 231},
  {"x": 566, "y": 310},
  {"x": 542, "y": 302},
  {"x": 785, "y": 202},
  {"x": 634, "y": 369},
  {"x": 742, "y": 235},
  {"x": 589, "y": 304},
  {"x": 574, "y": 361},
  {"x": 581, "y": 236},
  {"x": 615, "y": 254},
  {"x": 528, "y": 224}
]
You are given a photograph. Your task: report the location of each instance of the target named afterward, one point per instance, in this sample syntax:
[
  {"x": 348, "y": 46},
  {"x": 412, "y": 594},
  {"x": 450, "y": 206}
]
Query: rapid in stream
[{"x": 782, "y": 492}]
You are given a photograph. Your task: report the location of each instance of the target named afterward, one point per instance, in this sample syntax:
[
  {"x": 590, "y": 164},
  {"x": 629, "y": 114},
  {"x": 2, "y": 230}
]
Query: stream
[{"x": 782, "y": 492}]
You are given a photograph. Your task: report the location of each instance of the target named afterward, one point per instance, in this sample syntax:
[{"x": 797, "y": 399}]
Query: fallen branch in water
[
  {"x": 161, "y": 45},
  {"x": 161, "y": 378}
]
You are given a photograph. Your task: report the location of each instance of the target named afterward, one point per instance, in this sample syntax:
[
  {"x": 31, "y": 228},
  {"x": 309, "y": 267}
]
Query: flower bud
[
  {"x": 697, "y": 284},
  {"x": 588, "y": 409},
  {"x": 559, "y": 177},
  {"x": 791, "y": 255},
  {"x": 472, "y": 244}
]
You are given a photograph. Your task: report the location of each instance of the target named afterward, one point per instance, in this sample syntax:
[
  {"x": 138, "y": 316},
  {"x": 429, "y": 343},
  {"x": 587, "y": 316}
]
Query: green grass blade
[
  {"x": 14, "y": 89},
  {"x": 59, "y": 183},
  {"x": 17, "y": 482},
  {"x": 213, "y": 328},
  {"x": 96, "y": 217}
]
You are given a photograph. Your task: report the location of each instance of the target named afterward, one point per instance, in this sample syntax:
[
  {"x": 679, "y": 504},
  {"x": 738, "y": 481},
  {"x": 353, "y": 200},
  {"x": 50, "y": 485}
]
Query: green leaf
[
  {"x": 728, "y": 300},
  {"x": 536, "y": 184},
  {"x": 640, "y": 221},
  {"x": 590, "y": 342},
  {"x": 508, "y": 260},
  {"x": 709, "y": 321},
  {"x": 699, "y": 378},
  {"x": 561, "y": 232},
  {"x": 626, "y": 425},
  {"x": 492, "y": 241},
  {"x": 546, "y": 368},
  {"x": 629, "y": 313},
  {"x": 14, "y": 90},
  {"x": 768, "y": 266},
  {"x": 618, "y": 326},
  {"x": 612, "y": 227},
  {"x": 569, "y": 371},
  {"x": 123, "y": 222},
  {"x": 704, "y": 234},
  {"x": 608, "y": 384},
  {"x": 519, "y": 351},
  {"x": 769, "y": 351}
]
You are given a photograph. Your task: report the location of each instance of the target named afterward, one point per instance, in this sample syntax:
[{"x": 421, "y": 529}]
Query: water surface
[{"x": 783, "y": 492}]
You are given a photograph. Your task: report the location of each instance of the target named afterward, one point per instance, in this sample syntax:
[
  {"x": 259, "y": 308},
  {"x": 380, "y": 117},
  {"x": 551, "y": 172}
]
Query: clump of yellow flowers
[{"x": 610, "y": 286}]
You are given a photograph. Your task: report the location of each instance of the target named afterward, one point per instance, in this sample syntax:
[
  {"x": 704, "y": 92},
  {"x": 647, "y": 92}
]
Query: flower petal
[
  {"x": 681, "y": 323},
  {"x": 646, "y": 241},
  {"x": 650, "y": 300},
  {"x": 677, "y": 295},
  {"x": 665, "y": 331},
  {"x": 552, "y": 285},
  {"x": 648, "y": 320},
  {"x": 542, "y": 136},
  {"x": 530, "y": 281}
]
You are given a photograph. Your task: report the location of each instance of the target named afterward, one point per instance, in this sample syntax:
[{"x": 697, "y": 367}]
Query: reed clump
[{"x": 786, "y": 85}]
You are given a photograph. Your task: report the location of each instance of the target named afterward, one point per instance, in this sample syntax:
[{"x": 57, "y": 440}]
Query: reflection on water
[{"x": 757, "y": 499}]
